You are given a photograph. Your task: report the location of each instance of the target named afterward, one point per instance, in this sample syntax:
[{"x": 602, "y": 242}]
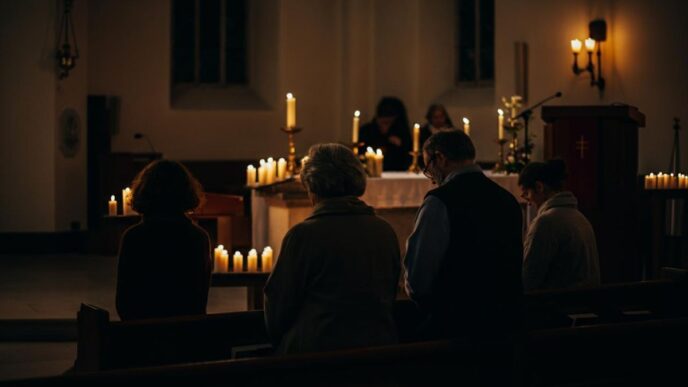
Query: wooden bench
[{"x": 253, "y": 282}]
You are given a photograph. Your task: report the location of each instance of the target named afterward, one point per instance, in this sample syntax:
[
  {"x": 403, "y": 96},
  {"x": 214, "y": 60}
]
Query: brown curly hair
[{"x": 166, "y": 187}]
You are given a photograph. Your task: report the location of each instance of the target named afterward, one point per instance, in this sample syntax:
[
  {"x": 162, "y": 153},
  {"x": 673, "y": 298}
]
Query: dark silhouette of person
[
  {"x": 437, "y": 119},
  {"x": 389, "y": 130},
  {"x": 164, "y": 261}
]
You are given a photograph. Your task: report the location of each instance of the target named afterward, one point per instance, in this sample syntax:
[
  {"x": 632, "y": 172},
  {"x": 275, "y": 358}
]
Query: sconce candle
[
  {"x": 590, "y": 44},
  {"x": 576, "y": 46},
  {"x": 467, "y": 126}
]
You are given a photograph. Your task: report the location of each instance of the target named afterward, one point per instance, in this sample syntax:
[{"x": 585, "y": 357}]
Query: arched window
[{"x": 475, "y": 35}]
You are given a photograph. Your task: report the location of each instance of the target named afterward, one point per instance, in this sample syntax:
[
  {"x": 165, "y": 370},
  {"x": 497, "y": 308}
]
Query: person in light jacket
[{"x": 560, "y": 250}]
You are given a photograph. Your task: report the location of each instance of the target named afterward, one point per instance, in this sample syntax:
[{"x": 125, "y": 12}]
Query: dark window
[
  {"x": 209, "y": 42},
  {"x": 475, "y": 42}
]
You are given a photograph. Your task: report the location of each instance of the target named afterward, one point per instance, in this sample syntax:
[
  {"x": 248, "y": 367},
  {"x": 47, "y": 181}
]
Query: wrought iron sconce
[
  {"x": 598, "y": 34},
  {"x": 66, "y": 60}
]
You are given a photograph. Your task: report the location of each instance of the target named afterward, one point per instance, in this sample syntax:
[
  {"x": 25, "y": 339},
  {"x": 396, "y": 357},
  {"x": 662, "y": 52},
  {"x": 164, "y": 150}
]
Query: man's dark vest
[{"x": 478, "y": 287}]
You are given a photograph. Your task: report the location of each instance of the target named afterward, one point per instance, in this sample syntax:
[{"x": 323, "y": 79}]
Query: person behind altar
[
  {"x": 560, "y": 250},
  {"x": 437, "y": 119},
  {"x": 164, "y": 261},
  {"x": 335, "y": 281},
  {"x": 463, "y": 259},
  {"x": 389, "y": 130}
]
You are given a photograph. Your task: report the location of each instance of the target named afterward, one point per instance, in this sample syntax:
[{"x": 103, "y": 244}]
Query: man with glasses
[{"x": 463, "y": 259}]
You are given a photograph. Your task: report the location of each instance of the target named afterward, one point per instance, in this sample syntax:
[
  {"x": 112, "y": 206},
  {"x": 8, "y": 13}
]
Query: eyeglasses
[{"x": 426, "y": 172}]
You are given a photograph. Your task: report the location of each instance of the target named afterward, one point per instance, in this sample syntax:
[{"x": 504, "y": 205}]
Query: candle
[
  {"x": 223, "y": 266},
  {"x": 281, "y": 169},
  {"x": 673, "y": 181},
  {"x": 378, "y": 162},
  {"x": 217, "y": 258},
  {"x": 576, "y": 45},
  {"x": 252, "y": 261},
  {"x": 665, "y": 181},
  {"x": 250, "y": 176},
  {"x": 649, "y": 180},
  {"x": 416, "y": 137},
  {"x": 238, "y": 262},
  {"x": 112, "y": 206},
  {"x": 370, "y": 161},
  {"x": 291, "y": 111},
  {"x": 266, "y": 260},
  {"x": 126, "y": 202},
  {"x": 354, "y": 129},
  {"x": 590, "y": 44},
  {"x": 467, "y": 126},
  {"x": 270, "y": 172},
  {"x": 500, "y": 124},
  {"x": 262, "y": 173}
]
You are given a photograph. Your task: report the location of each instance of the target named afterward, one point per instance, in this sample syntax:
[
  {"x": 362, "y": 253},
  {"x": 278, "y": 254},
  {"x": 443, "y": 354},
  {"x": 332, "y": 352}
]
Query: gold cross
[{"x": 582, "y": 146}]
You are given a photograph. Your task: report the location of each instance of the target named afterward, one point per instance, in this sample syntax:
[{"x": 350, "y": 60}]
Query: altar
[{"x": 396, "y": 197}]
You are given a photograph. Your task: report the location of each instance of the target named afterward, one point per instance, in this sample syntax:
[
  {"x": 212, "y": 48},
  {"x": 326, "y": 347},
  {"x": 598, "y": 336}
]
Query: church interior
[{"x": 93, "y": 92}]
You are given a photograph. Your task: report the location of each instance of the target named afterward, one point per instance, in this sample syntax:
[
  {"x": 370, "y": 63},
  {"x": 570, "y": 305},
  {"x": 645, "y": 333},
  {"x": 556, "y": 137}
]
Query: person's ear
[
  {"x": 539, "y": 187},
  {"x": 440, "y": 159}
]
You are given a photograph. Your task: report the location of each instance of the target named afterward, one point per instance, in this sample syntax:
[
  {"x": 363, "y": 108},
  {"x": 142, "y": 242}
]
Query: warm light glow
[
  {"x": 466, "y": 121},
  {"x": 357, "y": 113},
  {"x": 500, "y": 112},
  {"x": 590, "y": 44},
  {"x": 576, "y": 45},
  {"x": 290, "y": 96},
  {"x": 112, "y": 198}
]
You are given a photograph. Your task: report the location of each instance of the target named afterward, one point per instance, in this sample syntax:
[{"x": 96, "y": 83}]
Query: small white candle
[
  {"x": 500, "y": 124},
  {"x": 355, "y": 126},
  {"x": 370, "y": 161},
  {"x": 250, "y": 176},
  {"x": 271, "y": 170},
  {"x": 416, "y": 137},
  {"x": 266, "y": 260},
  {"x": 262, "y": 172},
  {"x": 252, "y": 261},
  {"x": 238, "y": 262},
  {"x": 281, "y": 169},
  {"x": 291, "y": 110},
  {"x": 378, "y": 162},
  {"x": 112, "y": 206},
  {"x": 467, "y": 126},
  {"x": 126, "y": 202}
]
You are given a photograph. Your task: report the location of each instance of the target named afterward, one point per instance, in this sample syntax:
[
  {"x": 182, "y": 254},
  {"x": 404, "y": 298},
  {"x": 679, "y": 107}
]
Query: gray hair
[
  {"x": 453, "y": 144},
  {"x": 332, "y": 170}
]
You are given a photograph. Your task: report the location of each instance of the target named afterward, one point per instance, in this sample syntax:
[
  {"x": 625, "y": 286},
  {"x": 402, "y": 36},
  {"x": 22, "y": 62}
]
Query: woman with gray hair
[{"x": 335, "y": 281}]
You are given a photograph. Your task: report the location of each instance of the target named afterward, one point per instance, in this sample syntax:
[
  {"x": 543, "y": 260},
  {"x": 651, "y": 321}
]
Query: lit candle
[
  {"x": 648, "y": 180},
  {"x": 238, "y": 262},
  {"x": 112, "y": 206},
  {"x": 467, "y": 126},
  {"x": 370, "y": 161},
  {"x": 576, "y": 45},
  {"x": 416, "y": 137},
  {"x": 266, "y": 260},
  {"x": 673, "y": 181},
  {"x": 270, "y": 173},
  {"x": 252, "y": 261},
  {"x": 354, "y": 129},
  {"x": 378, "y": 162},
  {"x": 665, "y": 181},
  {"x": 281, "y": 169},
  {"x": 500, "y": 124},
  {"x": 250, "y": 176},
  {"x": 126, "y": 202},
  {"x": 590, "y": 44},
  {"x": 217, "y": 258},
  {"x": 262, "y": 172},
  {"x": 223, "y": 266},
  {"x": 291, "y": 111}
]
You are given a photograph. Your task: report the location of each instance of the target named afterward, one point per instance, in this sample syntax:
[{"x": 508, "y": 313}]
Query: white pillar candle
[
  {"x": 370, "y": 161},
  {"x": 238, "y": 262},
  {"x": 355, "y": 126},
  {"x": 262, "y": 173},
  {"x": 217, "y": 258},
  {"x": 467, "y": 126},
  {"x": 291, "y": 111},
  {"x": 500, "y": 124},
  {"x": 281, "y": 169},
  {"x": 126, "y": 202},
  {"x": 416, "y": 137},
  {"x": 112, "y": 206},
  {"x": 266, "y": 260},
  {"x": 270, "y": 173},
  {"x": 250, "y": 176},
  {"x": 224, "y": 262},
  {"x": 252, "y": 261},
  {"x": 647, "y": 182},
  {"x": 379, "y": 158}
]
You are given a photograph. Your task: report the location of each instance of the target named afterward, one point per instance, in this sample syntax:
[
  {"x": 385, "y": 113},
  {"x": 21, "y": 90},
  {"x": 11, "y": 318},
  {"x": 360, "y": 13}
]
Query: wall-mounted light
[
  {"x": 598, "y": 34},
  {"x": 66, "y": 59}
]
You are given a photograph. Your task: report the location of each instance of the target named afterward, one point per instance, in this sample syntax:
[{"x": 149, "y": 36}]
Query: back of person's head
[
  {"x": 551, "y": 174},
  {"x": 455, "y": 145},
  {"x": 435, "y": 107},
  {"x": 165, "y": 187},
  {"x": 332, "y": 170}
]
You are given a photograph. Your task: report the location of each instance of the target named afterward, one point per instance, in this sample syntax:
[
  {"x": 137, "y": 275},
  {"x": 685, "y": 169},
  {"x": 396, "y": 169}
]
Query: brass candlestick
[
  {"x": 291, "y": 161},
  {"x": 414, "y": 168},
  {"x": 499, "y": 166}
]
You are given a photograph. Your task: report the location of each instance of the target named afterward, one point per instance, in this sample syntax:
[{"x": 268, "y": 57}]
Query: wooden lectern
[{"x": 600, "y": 147}]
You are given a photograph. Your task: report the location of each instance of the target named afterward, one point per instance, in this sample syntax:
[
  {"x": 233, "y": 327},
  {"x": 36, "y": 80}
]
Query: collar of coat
[
  {"x": 561, "y": 199},
  {"x": 346, "y": 205}
]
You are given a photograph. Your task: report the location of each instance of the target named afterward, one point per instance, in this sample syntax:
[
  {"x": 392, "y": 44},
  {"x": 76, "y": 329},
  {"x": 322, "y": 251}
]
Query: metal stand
[
  {"x": 499, "y": 167},
  {"x": 292, "y": 167},
  {"x": 414, "y": 168}
]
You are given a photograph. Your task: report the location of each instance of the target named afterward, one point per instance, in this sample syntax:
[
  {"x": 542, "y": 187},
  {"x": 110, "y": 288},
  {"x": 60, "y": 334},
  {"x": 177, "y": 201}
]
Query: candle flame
[
  {"x": 357, "y": 113},
  {"x": 500, "y": 112},
  {"x": 237, "y": 254},
  {"x": 379, "y": 152},
  {"x": 466, "y": 121},
  {"x": 290, "y": 96},
  {"x": 112, "y": 198},
  {"x": 370, "y": 150},
  {"x": 416, "y": 125},
  {"x": 589, "y": 44},
  {"x": 253, "y": 252},
  {"x": 267, "y": 248},
  {"x": 576, "y": 45},
  {"x": 220, "y": 247}
]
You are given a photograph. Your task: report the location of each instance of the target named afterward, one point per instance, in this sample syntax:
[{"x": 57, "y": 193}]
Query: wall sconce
[
  {"x": 66, "y": 60},
  {"x": 598, "y": 34}
]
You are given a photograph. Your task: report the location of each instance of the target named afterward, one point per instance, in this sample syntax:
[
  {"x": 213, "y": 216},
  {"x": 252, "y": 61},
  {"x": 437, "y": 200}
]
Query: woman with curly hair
[{"x": 164, "y": 261}]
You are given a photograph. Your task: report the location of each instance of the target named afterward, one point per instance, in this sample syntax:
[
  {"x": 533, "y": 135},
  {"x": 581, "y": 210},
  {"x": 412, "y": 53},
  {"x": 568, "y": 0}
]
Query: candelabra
[
  {"x": 414, "y": 168},
  {"x": 291, "y": 160},
  {"x": 500, "y": 165}
]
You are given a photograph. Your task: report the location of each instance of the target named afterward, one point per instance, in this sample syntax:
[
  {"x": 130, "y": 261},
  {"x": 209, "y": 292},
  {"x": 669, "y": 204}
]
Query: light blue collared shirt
[{"x": 429, "y": 241}]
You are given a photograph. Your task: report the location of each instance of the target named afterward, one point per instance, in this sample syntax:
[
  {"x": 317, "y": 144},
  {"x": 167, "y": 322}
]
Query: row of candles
[
  {"x": 666, "y": 181},
  {"x": 126, "y": 204},
  {"x": 221, "y": 261},
  {"x": 374, "y": 160},
  {"x": 268, "y": 172}
]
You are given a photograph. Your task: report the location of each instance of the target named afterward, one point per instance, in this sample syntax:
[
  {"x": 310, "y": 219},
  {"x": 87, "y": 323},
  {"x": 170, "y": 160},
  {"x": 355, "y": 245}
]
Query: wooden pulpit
[{"x": 600, "y": 147}]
